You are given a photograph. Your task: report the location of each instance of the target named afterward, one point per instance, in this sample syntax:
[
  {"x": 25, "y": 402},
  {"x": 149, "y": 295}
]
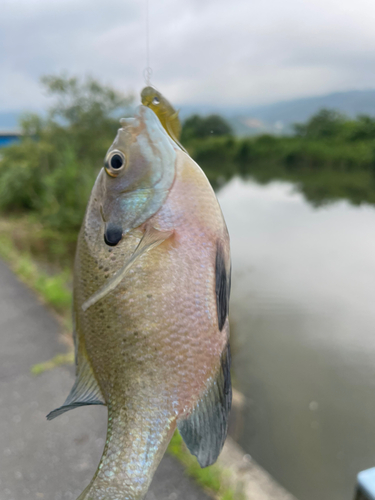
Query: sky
[{"x": 231, "y": 53}]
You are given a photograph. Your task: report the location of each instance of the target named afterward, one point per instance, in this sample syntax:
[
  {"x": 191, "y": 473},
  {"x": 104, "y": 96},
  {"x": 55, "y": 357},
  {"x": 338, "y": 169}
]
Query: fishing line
[{"x": 147, "y": 72}]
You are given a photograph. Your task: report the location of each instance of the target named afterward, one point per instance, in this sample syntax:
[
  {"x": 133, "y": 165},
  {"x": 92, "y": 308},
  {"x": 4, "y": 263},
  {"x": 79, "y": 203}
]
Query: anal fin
[
  {"x": 85, "y": 390},
  {"x": 205, "y": 430}
]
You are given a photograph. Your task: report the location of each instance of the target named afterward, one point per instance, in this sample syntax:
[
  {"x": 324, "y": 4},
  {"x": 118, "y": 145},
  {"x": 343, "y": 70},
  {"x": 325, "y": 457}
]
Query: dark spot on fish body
[
  {"x": 222, "y": 286},
  {"x": 149, "y": 296},
  {"x": 112, "y": 235}
]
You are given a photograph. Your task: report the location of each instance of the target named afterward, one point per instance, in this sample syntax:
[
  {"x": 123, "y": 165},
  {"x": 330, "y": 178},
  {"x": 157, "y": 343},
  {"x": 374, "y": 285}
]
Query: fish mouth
[{"x": 112, "y": 235}]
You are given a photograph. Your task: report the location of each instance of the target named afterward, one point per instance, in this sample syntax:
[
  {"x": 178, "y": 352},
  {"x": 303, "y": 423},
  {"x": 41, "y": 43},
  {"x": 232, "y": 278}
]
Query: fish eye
[
  {"x": 155, "y": 100},
  {"x": 114, "y": 163}
]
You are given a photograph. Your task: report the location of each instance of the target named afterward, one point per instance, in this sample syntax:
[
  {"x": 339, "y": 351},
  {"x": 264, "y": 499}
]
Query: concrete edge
[{"x": 246, "y": 478}]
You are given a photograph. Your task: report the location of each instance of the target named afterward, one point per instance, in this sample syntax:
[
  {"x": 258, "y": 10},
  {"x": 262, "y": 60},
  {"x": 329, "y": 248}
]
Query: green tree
[
  {"x": 326, "y": 124},
  {"x": 363, "y": 129},
  {"x": 198, "y": 127},
  {"x": 51, "y": 171},
  {"x": 86, "y": 112}
]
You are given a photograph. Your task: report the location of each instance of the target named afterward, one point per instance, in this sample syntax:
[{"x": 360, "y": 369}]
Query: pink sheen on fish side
[{"x": 153, "y": 345}]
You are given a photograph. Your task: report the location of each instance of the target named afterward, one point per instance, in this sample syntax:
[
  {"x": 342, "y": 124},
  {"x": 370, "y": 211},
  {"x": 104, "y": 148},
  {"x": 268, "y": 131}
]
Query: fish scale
[{"x": 147, "y": 311}]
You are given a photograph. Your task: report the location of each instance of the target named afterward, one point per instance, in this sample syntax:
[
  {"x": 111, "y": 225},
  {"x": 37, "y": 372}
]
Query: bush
[
  {"x": 198, "y": 127},
  {"x": 52, "y": 170}
]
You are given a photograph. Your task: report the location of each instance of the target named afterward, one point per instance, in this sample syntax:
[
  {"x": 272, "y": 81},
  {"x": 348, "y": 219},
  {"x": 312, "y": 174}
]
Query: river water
[{"x": 303, "y": 323}]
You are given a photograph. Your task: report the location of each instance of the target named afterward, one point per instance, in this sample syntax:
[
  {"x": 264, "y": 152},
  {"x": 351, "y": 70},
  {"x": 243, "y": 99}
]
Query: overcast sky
[{"x": 230, "y": 52}]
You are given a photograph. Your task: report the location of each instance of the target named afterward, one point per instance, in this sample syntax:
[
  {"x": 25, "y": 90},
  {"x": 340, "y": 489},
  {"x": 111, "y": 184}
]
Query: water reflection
[{"x": 303, "y": 318}]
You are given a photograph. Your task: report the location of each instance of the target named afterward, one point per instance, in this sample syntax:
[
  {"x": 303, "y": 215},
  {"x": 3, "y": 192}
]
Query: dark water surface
[{"x": 303, "y": 321}]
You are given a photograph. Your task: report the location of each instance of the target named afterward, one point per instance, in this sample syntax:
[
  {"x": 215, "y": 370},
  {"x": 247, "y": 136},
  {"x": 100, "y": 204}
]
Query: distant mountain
[
  {"x": 276, "y": 118},
  {"x": 279, "y": 117}
]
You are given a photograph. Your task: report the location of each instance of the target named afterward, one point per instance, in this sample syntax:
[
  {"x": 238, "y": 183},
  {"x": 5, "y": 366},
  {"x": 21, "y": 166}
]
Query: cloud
[{"x": 207, "y": 51}]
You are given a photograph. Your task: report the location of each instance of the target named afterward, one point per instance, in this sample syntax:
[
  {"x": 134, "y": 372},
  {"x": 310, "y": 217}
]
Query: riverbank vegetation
[
  {"x": 329, "y": 158},
  {"x": 49, "y": 174},
  {"x": 46, "y": 178}
]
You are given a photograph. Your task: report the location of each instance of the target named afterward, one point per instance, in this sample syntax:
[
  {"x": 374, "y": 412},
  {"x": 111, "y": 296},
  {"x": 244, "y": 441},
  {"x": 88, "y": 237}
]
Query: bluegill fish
[
  {"x": 151, "y": 293},
  {"x": 164, "y": 110}
]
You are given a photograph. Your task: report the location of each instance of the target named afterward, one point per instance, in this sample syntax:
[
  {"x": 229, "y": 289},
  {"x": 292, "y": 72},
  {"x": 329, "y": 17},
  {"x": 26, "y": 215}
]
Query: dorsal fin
[{"x": 85, "y": 390}]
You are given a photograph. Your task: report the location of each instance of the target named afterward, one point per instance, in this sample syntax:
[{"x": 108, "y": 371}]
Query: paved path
[{"x": 51, "y": 460}]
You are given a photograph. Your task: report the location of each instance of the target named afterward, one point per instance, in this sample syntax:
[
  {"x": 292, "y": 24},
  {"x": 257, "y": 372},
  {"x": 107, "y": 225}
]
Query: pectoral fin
[
  {"x": 85, "y": 391},
  {"x": 205, "y": 430},
  {"x": 151, "y": 239}
]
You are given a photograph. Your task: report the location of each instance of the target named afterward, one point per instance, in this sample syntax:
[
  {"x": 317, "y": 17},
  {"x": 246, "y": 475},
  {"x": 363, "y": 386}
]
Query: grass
[
  {"x": 212, "y": 479},
  {"x": 54, "y": 289},
  {"x": 60, "y": 359}
]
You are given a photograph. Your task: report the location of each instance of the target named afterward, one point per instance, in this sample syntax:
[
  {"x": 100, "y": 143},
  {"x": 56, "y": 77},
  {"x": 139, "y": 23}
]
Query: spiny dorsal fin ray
[
  {"x": 85, "y": 391},
  {"x": 151, "y": 239},
  {"x": 205, "y": 430}
]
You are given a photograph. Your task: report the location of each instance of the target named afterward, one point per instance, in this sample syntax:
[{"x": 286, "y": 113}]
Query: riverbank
[{"x": 247, "y": 478}]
